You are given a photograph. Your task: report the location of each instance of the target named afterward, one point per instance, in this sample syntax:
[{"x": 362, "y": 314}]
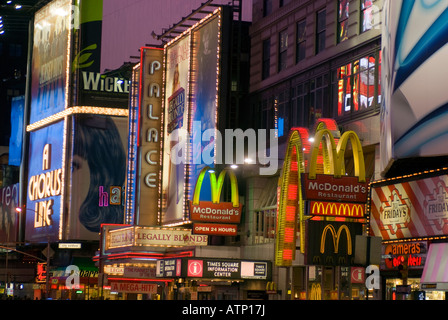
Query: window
[
  {"x": 284, "y": 2},
  {"x": 266, "y": 59},
  {"x": 343, "y": 14},
  {"x": 320, "y": 30},
  {"x": 366, "y": 15},
  {"x": 282, "y": 50},
  {"x": 318, "y": 98},
  {"x": 299, "y": 109},
  {"x": 301, "y": 41},
  {"x": 358, "y": 85},
  {"x": 267, "y": 7}
]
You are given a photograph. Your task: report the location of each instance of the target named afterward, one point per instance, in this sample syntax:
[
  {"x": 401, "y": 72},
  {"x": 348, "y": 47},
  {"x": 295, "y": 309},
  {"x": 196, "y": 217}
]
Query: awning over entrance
[{"x": 435, "y": 272}]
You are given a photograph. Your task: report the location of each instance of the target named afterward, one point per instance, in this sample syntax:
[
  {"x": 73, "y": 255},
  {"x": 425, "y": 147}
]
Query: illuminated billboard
[
  {"x": 410, "y": 209},
  {"x": 98, "y": 170},
  {"x": 414, "y": 108},
  {"x": 9, "y": 201},
  {"x": 93, "y": 87},
  {"x": 145, "y": 138},
  {"x": 191, "y": 102},
  {"x": 45, "y": 184},
  {"x": 50, "y": 63}
]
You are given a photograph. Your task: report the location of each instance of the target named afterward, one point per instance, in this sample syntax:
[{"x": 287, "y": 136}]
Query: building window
[
  {"x": 282, "y": 50},
  {"x": 301, "y": 41},
  {"x": 320, "y": 30},
  {"x": 343, "y": 14},
  {"x": 267, "y": 7},
  {"x": 318, "y": 98},
  {"x": 264, "y": 226},
  {"x": 358, "y": 85},
  {"x": 284, "y": 2},
  {"x": 366, "y": 15},
  {"x": 265, "y": 72},
  {"x": 300, "y": 107}
]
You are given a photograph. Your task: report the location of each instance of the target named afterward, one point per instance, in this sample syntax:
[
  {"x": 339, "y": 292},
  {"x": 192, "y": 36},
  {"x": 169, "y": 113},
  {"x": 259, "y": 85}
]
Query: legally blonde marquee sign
[
  {"x": 410, "y": 209},
  {"x": 153, "y": 236},
  {"x": 41, "y": 189}
]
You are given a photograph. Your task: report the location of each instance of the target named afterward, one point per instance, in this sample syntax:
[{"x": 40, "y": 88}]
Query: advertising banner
[
  {"x": 404, "y": 254},
  {"x": 414, "y": 106},
  {"x": 191, "y": 106},
  {"x": 176, "y": 115},
  {"x": 93, "y": 87},
  {"x": 145, "y": 138},
  {"x": 128, "y": 287},
  {"x": 336, "y": 209},
  {"x": 331, "y": 243},
  {"x": 410, "y": 209},
  {"x": 45, "y": 183},
  {"x": 214, "y": 268},
  {"x": 9, "y": 201},
  {"x": 15, "y": 140},
  {"x": 98, "y": 174},
  {"x": 50, "y": 64}
]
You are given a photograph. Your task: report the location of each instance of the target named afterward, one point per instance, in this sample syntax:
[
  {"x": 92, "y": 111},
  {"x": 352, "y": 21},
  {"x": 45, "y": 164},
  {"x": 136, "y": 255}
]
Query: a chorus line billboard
[
  {"x": 191, "y": 90},
  {"x": 45, "y": 184},
  {"x": 414, "y": 108}
]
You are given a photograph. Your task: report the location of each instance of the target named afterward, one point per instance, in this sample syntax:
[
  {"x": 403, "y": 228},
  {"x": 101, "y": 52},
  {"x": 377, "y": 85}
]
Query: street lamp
[{"x": 47, "y": 278}]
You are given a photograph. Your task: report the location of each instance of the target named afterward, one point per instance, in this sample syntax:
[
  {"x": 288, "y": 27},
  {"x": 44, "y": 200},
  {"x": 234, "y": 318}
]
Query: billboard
[
  {"x": 191, "y": 104},
  {"x": 414, "y": 108},
  {"x": 410, "y": 209},
  {"x": 98, "y": 170},
  {"x": 145, "y": 138},
  {"x": 9, "y": 201},
  {"x": 45, "y": 183},
  {"x": 92, "y": 87},
  {"x": 50, "y": 63},
  {"x": 16, "y": 138}
]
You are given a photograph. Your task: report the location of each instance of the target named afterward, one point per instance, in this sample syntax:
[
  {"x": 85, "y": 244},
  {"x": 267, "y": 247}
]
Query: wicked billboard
[{"x": 94, "y": 88}]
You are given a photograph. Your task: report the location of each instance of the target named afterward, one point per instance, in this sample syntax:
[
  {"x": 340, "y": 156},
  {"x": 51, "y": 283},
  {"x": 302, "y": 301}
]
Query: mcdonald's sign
[
  {"x": 336, "y": 209},
  {"x": 216, "y": 211},
  {"x": 333, "y": 184},
  {"x": 331, "y": 243}
]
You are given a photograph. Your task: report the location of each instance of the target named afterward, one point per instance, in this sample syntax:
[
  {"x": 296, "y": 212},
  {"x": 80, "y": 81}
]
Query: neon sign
[{"x": 42, "y": 187}]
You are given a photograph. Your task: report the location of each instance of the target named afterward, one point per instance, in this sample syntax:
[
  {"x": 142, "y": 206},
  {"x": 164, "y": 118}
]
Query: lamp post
[{"x": 47, "y": 277}]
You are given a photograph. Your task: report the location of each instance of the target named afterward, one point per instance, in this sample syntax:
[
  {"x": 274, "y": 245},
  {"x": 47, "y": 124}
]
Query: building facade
[{"x": 312, "y": 60}]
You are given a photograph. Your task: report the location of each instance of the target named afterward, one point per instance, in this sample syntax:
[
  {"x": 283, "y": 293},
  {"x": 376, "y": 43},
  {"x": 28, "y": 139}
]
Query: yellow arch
[
  {"x": 298, "y": 141},
  {"x": 336, "y": 237},
  {"x": 335, "y": 164},
  {"x": 216, "y": 186}
]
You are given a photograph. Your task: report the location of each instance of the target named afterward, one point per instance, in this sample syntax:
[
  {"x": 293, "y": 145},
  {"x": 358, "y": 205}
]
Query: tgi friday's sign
[{"x": 410, "y": 209}]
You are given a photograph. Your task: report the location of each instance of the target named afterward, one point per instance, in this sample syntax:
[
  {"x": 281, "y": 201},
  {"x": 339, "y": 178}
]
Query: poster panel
[
  {"x": 45, "y": 183},
  {"x": 9, "y": 201},
  {"x": 93, "y": 87},
  {"x": 414, "y": 108},
  {"x": 175, "y": 129},
  {"x": 49, "y": 64},
  {"x": 410, "y": 209},
  {"x": 98, "y": 174},
  {"x": 16, "y": 138},
  {"x": 205, "y": 59}
]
